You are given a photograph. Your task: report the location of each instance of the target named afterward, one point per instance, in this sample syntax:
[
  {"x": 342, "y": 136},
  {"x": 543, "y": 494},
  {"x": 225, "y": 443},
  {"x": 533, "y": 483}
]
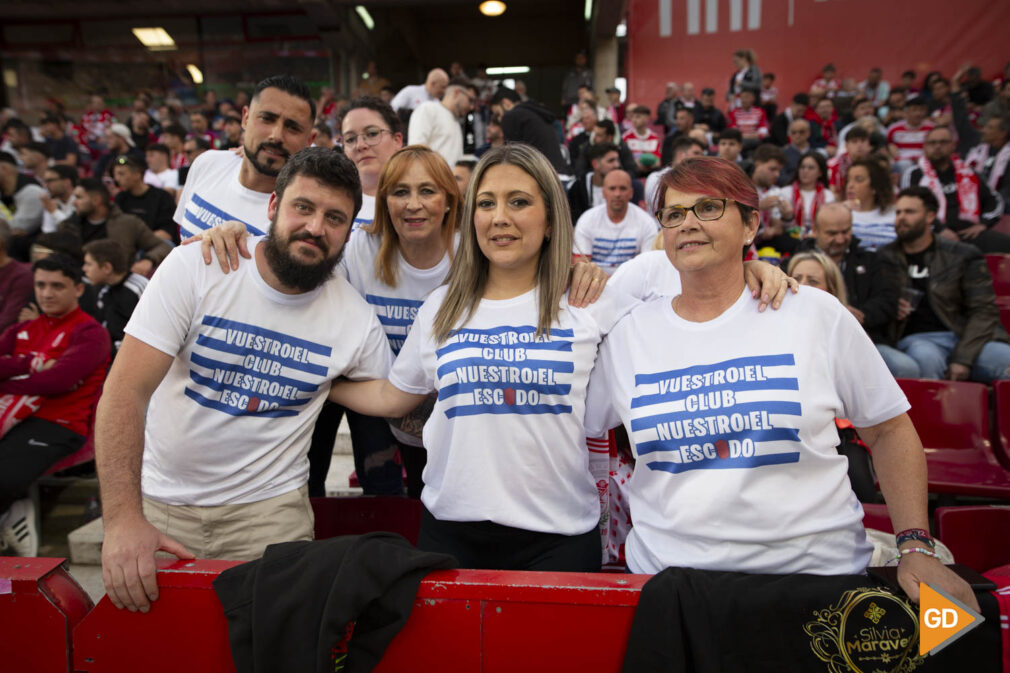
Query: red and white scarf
[
  {"x": 967, "y": 189},
  {"x": 980, "y": 153},
  {"x": 818, "y": 201}
]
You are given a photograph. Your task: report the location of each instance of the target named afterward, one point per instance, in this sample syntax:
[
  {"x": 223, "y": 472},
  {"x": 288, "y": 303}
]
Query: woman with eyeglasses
[
  {"x": 370, "y": 133},
  {"x": 731, "y": 412}
]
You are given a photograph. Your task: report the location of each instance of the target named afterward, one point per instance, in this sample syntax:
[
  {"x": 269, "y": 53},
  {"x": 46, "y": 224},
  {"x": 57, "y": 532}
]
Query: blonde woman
[{"x": 816, "y": 269}]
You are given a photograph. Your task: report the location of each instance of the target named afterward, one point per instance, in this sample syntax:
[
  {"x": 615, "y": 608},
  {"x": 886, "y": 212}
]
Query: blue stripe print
[
  {"x": 522, "y": 410},
  {"x": 697, "y": 370},
  {"x": 727, "y": 464},
  {"x": 225, "y": 347},
  {"x": 214, "y": 385},
  {"x": 224, "y": 323},
  {"x": 209, "y": 363},
  {"x": 224, "y": 217},
  {"x": 787, "y": 408},
  {"x": 232, "y": 411},
  {"x": 774, "y": 435},
  {"x": 739, "y": 386},
  {"x": 461, "y": 388},
  {"x": 553, "y": 365},
  {"x": 560, "y": 346}
]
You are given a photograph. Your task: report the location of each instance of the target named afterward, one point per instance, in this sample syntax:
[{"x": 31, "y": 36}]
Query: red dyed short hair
[{"x": 710, "y": 176}]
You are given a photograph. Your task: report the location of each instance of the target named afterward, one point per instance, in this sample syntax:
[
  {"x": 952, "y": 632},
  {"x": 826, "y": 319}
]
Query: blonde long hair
[
  {"x": 386, "y": 267},
  {"x": 469, "y": 271},
  {"x": 832, "y": 274}
]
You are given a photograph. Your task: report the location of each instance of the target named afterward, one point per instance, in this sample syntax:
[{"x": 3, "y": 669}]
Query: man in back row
[
  {"x": 233, "y": 393},
  {"x": 221, "y": 186}
]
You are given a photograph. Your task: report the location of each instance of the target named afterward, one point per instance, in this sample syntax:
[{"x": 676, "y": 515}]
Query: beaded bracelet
[
  {"x": 919, "y": 534},
  {"x": 914, "y": 550}
]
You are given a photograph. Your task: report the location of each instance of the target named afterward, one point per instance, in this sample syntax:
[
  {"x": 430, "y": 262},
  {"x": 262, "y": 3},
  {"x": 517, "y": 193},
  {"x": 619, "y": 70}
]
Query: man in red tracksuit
[{"x": 51, "y": 374}]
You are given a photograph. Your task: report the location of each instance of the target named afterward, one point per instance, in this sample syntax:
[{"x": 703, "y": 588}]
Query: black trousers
[
  {"x": 374, "y": 450},
  {"x": 27, "y": 451},
  {"x": 491, "y": 546}
]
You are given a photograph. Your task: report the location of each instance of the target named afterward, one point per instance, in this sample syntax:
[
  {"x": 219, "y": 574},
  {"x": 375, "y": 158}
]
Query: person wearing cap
[
  {"x": 96, "y": 218},
  {"x": 118, "y": 141},
  {"x": 616, "y": 109},
  {"x": 707, "y": 114},
  {"x": 153, "y": 205},
  {"x": 907, "y": 137}
]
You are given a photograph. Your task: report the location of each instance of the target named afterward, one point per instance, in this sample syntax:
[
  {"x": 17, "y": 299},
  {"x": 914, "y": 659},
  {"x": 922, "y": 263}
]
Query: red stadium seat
[
  {"x": 1001, "y": 447},
  {"x": 999, "y": 267},
  {"x": 876, "y": 517},
  {"x": 1004, "y": 315},
  {"x": 979, "y": 537},
  {"x": 952, "y": 419}
]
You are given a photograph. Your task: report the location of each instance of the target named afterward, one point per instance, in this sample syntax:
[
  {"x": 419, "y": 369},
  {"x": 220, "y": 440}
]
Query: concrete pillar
[{"x": 604, "y": 65}]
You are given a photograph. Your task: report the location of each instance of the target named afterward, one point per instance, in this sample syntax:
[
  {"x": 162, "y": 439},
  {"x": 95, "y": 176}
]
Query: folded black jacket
[{"x": 288, "y": 610}]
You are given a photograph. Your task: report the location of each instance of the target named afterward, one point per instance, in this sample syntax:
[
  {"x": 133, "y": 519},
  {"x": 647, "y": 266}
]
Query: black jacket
[
  {"x": 288, "y": 610},
  {"x": 870, "y": 290},
  {"x": 532, "y": 123}
]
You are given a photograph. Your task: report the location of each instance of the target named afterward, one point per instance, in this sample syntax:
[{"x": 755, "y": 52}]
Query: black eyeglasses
[
  {"x": 705, "y": 210},
  {"x": 371, "y": 137}
]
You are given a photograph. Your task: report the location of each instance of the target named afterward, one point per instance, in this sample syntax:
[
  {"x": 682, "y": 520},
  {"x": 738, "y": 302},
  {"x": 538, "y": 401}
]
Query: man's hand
[
  {"x": 29, "y": 312},
  {"x": 950, "y": 235},
  {"x": 916, "y": 568},
  {"x": 768, "y": 202},
  {"x": 971, "y": 233},
  {"x": 958, "y": 372},
  {"x": 588, "y": 281},
  {"x": 227, "y": 240},
  {"x": 128, "y": 568},
  {"x": 48, "y": 202},
  {"x": 143, "y": 266},
  {"x": 860, "y": 316},
  {"x": 768, "y": 284},
  {"x": 904, "y": 309}
]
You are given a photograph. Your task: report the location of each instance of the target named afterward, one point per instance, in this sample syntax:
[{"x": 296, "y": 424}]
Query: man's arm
[
  {"x": 979, "y": 308},
  {"x": 164, "y": 225},
  {"x": 27, "y": 210},
  {"x": 88, "y": 350},
  {"x": 155, "y": 249},
  {"x": 881, "y": 305},
  {"x": 128, "y": 568}
]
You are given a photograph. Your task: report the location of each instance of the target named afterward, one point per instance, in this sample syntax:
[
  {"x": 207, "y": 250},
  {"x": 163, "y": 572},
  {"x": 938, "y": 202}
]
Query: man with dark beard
[
  {"x": 221, "y": 186},
  {"x": 232, "y": 370}
]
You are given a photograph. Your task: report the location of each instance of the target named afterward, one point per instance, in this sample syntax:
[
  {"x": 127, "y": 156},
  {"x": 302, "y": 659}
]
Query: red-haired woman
[{"x": 731, "y": 412}]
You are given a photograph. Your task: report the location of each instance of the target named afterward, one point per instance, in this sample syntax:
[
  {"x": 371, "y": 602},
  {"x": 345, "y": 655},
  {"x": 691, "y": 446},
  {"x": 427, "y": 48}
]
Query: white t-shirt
[
  {"x": 366, "y": 215},
  {"x": 410, "y": 97},
  {"x": 732, "y": 425},
  {"x": 788, "y": 192},
  {"x": 212, "y": 195},
  {"x": 648, "y": 276},
  {"x": 167, "y": 179},
  {"x": 652, "y": 187},
  {"x": 874, "y": 228},
  {"x": 433, "y": 125},
  {"x": 232, "y": 420},
  {"x": 505, "y": 440},
  {"x": 610, "y": 244}
]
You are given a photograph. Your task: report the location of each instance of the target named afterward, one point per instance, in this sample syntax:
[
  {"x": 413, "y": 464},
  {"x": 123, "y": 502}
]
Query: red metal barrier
[{"x": 40, "y": 604}]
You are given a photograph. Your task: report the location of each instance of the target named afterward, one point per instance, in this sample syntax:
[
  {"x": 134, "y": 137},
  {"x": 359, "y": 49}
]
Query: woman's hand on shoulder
[
  {"x": 587, "y": 283},
  {"x": 768, "y": 284},
  {"x": 227, "y": 240}
]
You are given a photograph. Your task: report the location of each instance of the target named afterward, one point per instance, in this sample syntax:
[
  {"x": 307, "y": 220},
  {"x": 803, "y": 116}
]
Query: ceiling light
[
  {"x": 155, "y": 38},
  {"x": 509, "y": 70},
  {"x": 366, "y": 18},
  {"x": 492, "y": 8},
  {"x": 195, "y": 73},
  {"x": 589, "y": 9},
  {"x": 622, "y": 29}
]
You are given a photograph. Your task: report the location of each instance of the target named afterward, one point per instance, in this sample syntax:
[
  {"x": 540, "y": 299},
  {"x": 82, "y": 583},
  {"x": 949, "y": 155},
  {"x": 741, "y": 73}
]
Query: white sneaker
[{"x": 19, "y": 535}]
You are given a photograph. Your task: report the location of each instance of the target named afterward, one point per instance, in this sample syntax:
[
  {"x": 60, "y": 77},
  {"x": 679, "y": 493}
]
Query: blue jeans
[{"x": 925, "y": 356}]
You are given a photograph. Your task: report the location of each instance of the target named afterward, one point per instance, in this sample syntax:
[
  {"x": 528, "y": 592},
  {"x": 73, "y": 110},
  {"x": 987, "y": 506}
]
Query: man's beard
[
  {"x": 911, "y": 233},
  {"x": 262, "y": 168},
  {"x": 293, "y": 273}
]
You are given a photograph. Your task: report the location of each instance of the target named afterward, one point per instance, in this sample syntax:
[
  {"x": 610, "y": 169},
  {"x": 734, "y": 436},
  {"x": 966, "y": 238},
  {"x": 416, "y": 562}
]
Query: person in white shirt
[
  {"x": 57, "y": 205},
  {"x": 412, "y": 95},
  {"x": 718, "y": 399},
  {"x": 371, "y": 134},
  {"x": 437, "y": 123},
  {"x": 615, "y": 232},
  {"x": 870, "y": 197},
  {"x": 158, "y": 173},
  {"x": 222, "y": 187},
  {"x": 230, "y": 372}
]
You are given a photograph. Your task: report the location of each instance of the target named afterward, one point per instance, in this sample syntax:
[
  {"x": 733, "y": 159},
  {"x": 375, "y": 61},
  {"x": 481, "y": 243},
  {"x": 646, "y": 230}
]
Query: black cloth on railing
[
  {"x": 702, "y": 621},
  {"x": 288, "y": 610}
]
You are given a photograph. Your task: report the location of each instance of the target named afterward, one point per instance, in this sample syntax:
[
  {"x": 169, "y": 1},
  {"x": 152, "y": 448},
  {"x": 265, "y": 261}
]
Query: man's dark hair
[
  {"x": 108, "y": 251},
  {"x": 857, "y": 133},
  {"x": 505, "y": 93},
  {"x": 607, "y": 126},
  {"x": 95, "y": 186},
  {"x": 158, "y": 147},
  {"x": 201, "y": 143},
  {"x": 909, "y": 73},
  {"x": 859, "y": 100},
  {"x": 65, "y": 172},
  {"x": 131, "y": 162},
  {"x": 938, "y": 79},
  {"x": 600, "y": 150},
  {"x": 62, "y": 263},
  {"x": 768, "y": 75},
  {"x": 376, "y": 105},
  {"x": 923, "y": 194},
  {"x": 8, "y": 158},
  {"x": 683, "y": 143},
  {"x": 801, "y": 99},
  {"x": 52, "y": 119},
  {"x": 290, "y": 85},
  {"x": 333, "y": 169},
  {"x": 766, "y": 152},
  {"x": 41, "y": 148},
  {"x": 62, "y": 242},
  {"x": 731, "y": 134},
  {"x": 177, "y": 130},
  {"x": 467, "y": 163},
  {"x": 640, "y": 110},
  {"x": 15, "y": 123}
]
